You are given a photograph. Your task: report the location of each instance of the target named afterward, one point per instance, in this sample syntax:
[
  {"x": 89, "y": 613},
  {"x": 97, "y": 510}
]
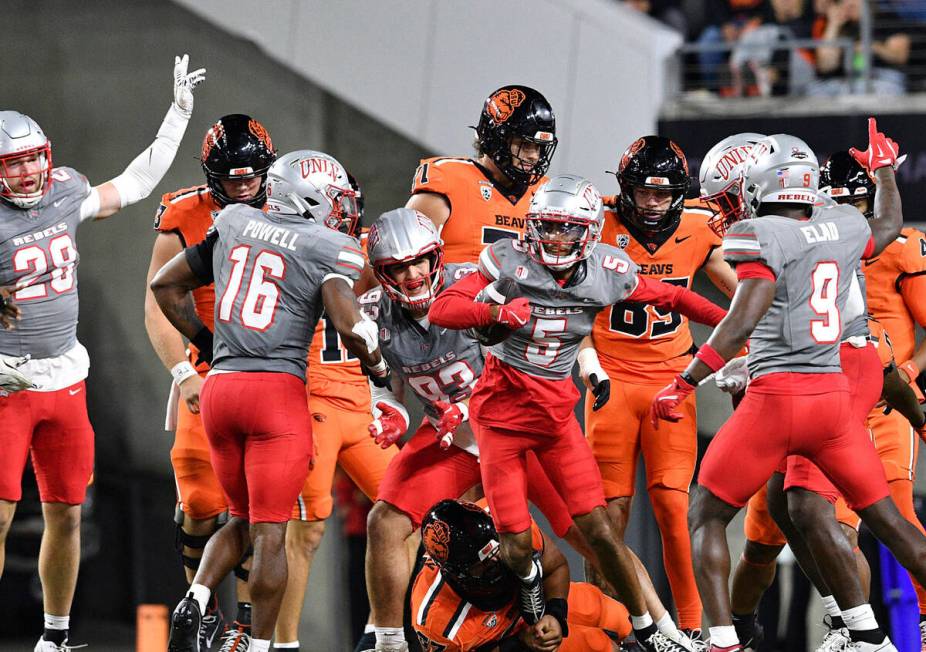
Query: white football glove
[
  {"x": 184, "y": 83},
  {"x": 734, "y": 376},
  {"x": 11, "y": 379}
]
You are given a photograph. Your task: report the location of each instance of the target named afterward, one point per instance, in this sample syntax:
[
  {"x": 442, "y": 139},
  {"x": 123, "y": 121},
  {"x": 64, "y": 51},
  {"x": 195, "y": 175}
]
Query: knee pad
[{"x": 183, "y": 539}]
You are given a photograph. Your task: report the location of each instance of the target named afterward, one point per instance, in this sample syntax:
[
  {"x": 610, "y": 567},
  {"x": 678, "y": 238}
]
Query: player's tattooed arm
[
  {"x": 720, "y": 272},
  {"x": 751, "y": 301},
  {"x": 888, "y": 211},
  {"x": 344, "y": 313}
]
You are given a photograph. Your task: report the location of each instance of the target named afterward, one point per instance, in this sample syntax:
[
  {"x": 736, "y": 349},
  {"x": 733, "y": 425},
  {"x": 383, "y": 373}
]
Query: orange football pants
[
  {"x": 590, "y": 612},
  {"x": 617, "y": 434},
  {"x": 340, "y": 418}
]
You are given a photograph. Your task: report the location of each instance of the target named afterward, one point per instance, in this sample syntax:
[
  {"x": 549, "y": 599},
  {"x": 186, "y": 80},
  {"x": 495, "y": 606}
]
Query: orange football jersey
[
  {"x": 634, "y": 340},
  {"x": 480, "y": 211},
  {"x": 884, "y": 280},
  {"x": 189, "y": 212},
  {"x": 447, "y": 623}
]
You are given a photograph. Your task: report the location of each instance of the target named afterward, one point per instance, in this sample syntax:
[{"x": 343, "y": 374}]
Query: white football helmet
[
  {"x": 314, "y": 185},
  {"x": 781, "y": 169},
  {"x": 22, "y": 138},
  {"x": 719, "y": 178},
  {"x": 400, "y": 236},
  {"x": 563, "y": 222}
]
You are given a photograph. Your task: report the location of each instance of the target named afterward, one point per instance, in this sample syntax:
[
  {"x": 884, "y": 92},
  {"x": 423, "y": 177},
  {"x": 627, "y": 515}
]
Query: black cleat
[
  {"x": 185, "y": 625},
  {"x": 533, "y": 601},
  {"x": 213, "y": 622}
]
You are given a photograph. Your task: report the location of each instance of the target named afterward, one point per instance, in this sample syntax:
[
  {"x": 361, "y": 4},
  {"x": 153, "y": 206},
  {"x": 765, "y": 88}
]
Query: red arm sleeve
[
  {"x": 456, "y": 308},
  {"x": 677, "y": 299},
  {"x": 754, "y": 269}
]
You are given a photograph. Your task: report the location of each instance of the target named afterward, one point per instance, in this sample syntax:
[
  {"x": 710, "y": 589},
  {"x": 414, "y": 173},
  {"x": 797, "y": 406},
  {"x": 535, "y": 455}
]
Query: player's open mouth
[{"x": 415, "y": 287}]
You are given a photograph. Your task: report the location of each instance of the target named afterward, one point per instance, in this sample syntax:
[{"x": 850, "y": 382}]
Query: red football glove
[
  {"x": 881, "y": 152},
  {"x": 514, "y": 314},
  {"x": 451, "y": 416},
  {"x": 388, "y": 427},
  {"x": 669, "y": 398}
]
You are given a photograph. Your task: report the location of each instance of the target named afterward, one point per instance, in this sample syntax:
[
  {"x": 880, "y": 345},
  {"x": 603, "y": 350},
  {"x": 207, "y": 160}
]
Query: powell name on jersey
[
  {"x": 480, "y": 210},
  {"x": 38, "y": 254},
  {"x": 561, "y": 316}
]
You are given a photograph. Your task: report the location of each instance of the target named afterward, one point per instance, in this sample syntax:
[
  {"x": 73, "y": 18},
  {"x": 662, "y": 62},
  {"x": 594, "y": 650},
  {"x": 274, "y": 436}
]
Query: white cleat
[
  {"x": 883, "y": 646},
  {"x": 836, "y": 640},
  {"x": 48, "y": 646},
  {"x": 923, "y": 636}
]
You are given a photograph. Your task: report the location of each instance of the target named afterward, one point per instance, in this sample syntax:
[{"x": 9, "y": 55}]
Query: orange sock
[
  {"x": 902, "y": 493},
  {"x": 670, "y": 506},
  {"x": 589, "y": 607}
]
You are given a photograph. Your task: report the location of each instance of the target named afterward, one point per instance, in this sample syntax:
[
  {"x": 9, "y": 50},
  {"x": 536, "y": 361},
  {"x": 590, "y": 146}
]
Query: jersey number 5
[{"x": 262, "y": 293}]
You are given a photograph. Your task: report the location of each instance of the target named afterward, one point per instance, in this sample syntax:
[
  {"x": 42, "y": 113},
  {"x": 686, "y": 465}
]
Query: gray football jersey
[
  {"x": 268, "y": 272},
  {"x": 437, "y": 363},
  {"x": 561, "y": 316},
  {"x": 38, "y": 254},
  {"x": 814, "y": 262}
]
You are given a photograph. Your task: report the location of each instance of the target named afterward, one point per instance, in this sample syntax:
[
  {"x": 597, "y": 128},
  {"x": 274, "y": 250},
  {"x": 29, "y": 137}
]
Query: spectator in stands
[
  {"x": 668, "y": 12},
  {"x": 775, "y": 70},
  {"x": 730, "y": 20},
  {"x": 890, "y": 52}
]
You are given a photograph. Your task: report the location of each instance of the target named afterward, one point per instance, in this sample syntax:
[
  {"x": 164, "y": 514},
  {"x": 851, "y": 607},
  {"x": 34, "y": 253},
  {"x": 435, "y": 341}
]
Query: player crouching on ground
[
  {"x": 564, "y": 280},
  {"x": 464, "y": 598}
]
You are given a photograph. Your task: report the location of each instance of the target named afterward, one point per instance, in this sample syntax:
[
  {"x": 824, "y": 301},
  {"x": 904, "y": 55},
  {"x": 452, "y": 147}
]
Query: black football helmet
[
  {"x": 516, "y": 111},
  {"x": 657, "y": 163},
  {"x": 461, "y": 539},
  {"x": 237, "y": 147},
  {"x": 847, "y": 182}
]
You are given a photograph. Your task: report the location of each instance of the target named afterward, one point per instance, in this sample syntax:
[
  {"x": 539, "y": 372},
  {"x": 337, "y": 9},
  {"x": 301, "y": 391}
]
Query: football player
[
  {"x": 563, "y": 280},
  {"x": 640, "y": 348},
  {"x": 339, "y": 402},
  {"x": 274, "y": 274},
  {"x": 440, "y": 367},
  {"x": 895, "y": 283},
  {"x": 237, "y": 152},
  {"x": 788, "y": 300},
  {"x": 477, "y": 201},
  {"x": 464, "y": 598},
  {"x": 41, "y": 207}
]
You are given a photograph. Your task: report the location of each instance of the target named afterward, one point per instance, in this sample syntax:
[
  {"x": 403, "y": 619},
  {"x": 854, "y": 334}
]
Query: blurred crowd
[{"x": 798, "y": 47}]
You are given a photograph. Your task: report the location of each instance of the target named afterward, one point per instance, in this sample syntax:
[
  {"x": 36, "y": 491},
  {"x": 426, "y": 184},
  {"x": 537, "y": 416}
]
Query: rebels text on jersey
[
  {"x": 38, "y": 255},
  {"x": 480, "y": 210},
  {"x": 814, "y": 263},
  {"x": 268, "y": 271},
  {"x": 561, "y": 315},
  {"x": 437, "y": 363}
]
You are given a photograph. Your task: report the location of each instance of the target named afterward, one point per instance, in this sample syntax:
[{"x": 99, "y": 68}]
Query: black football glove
[
  {"x": 601, "y": 390},
  {"x": 203, "y": 341},
  {"x": 382, "y": 379}
]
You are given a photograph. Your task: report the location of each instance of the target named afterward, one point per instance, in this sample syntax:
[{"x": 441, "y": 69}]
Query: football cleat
[
  {"x": 922, "y": 635},
  {"x": 750, "y": 632},
  {"x": 213, "y": 622},
  {"x": 402, "y": 647},
  {"x": 185, "y": 627},
  {"x": 736, "y": 647},
  {"x": 862, "y": 646},
  {"x": 236, "y": 638},
  {"x": 48, "y": 646},
  {"x": 836, "y": 639},
  {"x": 533, "y": 601},
  {"x": 691, "y": 638},
  {"x": 659, "y": 642}
]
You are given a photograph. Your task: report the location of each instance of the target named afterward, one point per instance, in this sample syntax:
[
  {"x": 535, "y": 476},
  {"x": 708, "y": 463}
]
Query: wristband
[
  {"x": 590, "y": 364},
  {"x": 687, "y": 378},
  {"x": 379, "y": 369},
  {"x": 559, "y": 609},
  {"x": 182, "y": 370},
  {"x": 709, "y": 356}
]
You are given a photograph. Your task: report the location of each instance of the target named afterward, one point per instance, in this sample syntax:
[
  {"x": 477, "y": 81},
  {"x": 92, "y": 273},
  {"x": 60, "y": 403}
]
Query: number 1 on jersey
[{"x": 262, "y": 294}]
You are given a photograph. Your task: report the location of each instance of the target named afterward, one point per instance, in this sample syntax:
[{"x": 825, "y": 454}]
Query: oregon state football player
[
  {"x": 642, "y": 348},
  {"x": 237, "y": 152},
  {"x": 476, "y": 201}
]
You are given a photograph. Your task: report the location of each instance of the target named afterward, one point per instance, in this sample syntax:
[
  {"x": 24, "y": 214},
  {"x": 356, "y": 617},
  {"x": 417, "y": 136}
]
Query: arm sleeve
[
  {"x": 754, "y": 269},
  {"x": 456, "y": 307},
  {"x": 199, "y": 257},
  {"x": 666, "y": 296}
]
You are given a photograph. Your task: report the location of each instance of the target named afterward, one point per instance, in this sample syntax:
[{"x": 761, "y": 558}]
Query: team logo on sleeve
[
  {"x": 436, "y": 539},
  {"x": 490, "y": 621},
  {"x": 521, "y": 272},
  {"x": 622, "y": 240},
  {"x": 158, "y": 214},
  {"x": 504, "y": 102},
  {"x": 486, "y": 189}
]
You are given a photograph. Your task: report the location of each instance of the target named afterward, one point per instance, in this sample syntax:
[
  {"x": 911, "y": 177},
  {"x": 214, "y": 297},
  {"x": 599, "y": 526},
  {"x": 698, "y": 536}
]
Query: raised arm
[
  {"x": 145, "y": 172},
  {"x": 880, "y": 160}
]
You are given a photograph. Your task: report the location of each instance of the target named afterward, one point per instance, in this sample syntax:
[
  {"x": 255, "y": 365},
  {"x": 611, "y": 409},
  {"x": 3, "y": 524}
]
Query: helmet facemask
[
  {"x": 486, "y": 583},
  {"x": 728, "y": 207},
  {"x": 512, "y": 163},
  {"x": 646, "y": 220},
  {"x": 345, "y": 210},
  {"x": 416, "y": 295},
  {"x": 559, "y": 240},
  {"x": 13, "y": 173}
]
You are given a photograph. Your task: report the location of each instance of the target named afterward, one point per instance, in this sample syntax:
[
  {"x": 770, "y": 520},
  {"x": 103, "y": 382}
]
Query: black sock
[
  {"x": 56, "y": 636},
  {"x": 644, "y": 634},
  {"x": 838, "y": 623},
  {"x": 244, "y": 613},
  {"x": 744, "y": 625},
  {"x": 866, "y": 635}
]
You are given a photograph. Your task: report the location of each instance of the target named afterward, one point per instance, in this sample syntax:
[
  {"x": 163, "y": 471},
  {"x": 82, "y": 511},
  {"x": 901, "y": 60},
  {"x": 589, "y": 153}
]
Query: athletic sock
[
  {"x": 259, "y": 645},
  {"x": 723, "y": 636},
  {"x": 292, "y": 645},
  {"x": 243, "y": 617},
  {"x": 832, "y": 609},
  {"x": 862, "y": 624},
  {"x": 390, "y": 636},
  {"x": 201, "y": 594},
  {"x": 56, "y": 629},
  {"x": 666, "y": 625}
]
